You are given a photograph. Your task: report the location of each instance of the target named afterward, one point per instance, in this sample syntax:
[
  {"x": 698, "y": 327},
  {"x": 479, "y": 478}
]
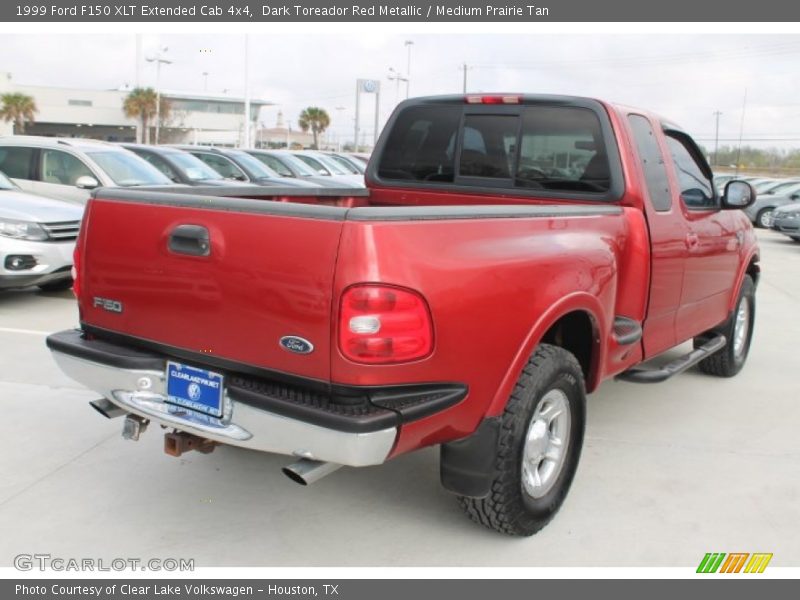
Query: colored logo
[
  {"x": 735, "y": 562},
  {"x": 194, "y": 391},
  {"x": 296, "y": 344}
]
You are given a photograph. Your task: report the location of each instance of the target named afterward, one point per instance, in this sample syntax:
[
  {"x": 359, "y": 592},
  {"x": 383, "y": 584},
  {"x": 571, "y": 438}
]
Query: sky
[{"x": 686, "y": 78}]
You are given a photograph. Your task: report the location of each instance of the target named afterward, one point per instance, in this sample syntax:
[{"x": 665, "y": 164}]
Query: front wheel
[
  {"x": 538, "y": 447},
  {"x": 738, "y": 330}
]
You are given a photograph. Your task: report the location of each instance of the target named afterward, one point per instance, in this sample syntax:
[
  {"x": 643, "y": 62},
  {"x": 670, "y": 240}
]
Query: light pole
[
  {"x": 716, "y": 139},
  {"x": 159, "y": 59},
  {"x": 205, "y": 81},
  {"x": 397, "y": 77},
  {"x": 408, "y": 44},
  {"x": 247, "y": 123},
  {"x": 339, "y": 110}
]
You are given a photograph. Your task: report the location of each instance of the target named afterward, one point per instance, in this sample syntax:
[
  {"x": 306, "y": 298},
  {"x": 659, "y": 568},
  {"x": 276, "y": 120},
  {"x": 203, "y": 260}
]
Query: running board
[{"x": 679, "y": 365}]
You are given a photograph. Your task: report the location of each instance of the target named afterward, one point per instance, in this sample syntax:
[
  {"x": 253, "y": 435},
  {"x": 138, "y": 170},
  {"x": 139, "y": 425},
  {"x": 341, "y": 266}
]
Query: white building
[{"x": 213, "y": 119}]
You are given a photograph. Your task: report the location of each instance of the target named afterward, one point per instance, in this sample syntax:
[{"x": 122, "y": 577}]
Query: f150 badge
[
  {"x": 107, "y": 304},
  {"x": 296, "y": 344}
]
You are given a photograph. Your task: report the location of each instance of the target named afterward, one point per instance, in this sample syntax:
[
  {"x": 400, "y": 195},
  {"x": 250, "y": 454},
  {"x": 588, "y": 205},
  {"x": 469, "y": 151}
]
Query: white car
[
  {"x": 37, "y": 238},
  {"x": 327, "y": 167},
  {"x": 70, "y": 168}
]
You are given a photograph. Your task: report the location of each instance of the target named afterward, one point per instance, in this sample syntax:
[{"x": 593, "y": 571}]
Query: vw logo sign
[
  {"x": 298, "y": 345},
  {"x": 370, "y": 85},
  {"x": 194, "y": 391}
]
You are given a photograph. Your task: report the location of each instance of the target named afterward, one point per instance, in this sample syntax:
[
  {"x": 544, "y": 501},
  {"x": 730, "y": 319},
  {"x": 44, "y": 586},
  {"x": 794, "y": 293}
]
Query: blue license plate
[{"x": 196, "y": 389}]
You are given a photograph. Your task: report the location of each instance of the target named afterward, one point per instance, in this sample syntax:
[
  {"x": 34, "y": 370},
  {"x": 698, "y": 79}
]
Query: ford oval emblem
[{"x": 296, "y": 344}]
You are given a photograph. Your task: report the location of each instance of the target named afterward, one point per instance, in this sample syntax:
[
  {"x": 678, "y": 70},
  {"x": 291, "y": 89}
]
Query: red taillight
[
  {"x": 76, "y": 271},
  {"x": 501, "y": 99},
  {"x": 383, "y": 324}
]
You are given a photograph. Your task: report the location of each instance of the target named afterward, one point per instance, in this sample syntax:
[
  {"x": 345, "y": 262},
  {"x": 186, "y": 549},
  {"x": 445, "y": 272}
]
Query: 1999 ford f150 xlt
[{"x": 510, "y": 253}]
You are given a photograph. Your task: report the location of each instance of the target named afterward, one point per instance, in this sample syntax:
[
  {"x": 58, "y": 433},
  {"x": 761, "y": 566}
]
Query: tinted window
[
  {"x": 16, "y": 162},
  {"x": 556, "y": 148},
  {"x": 61, "y": 168},
  {"x": 652, "y": 161},
  {"x": 419, "y": 145},
  {"x": 489, "y": 146},
  {"x": 696, "y": 189},
  {"x": 274, "y": 164},
  {"x": 562, "y": 149},
  {"x": 127, "y": 169}
]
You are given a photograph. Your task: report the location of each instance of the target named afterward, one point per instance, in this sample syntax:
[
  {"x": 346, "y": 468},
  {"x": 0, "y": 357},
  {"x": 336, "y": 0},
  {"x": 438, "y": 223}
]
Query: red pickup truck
[{"x": 511, "y": 252}]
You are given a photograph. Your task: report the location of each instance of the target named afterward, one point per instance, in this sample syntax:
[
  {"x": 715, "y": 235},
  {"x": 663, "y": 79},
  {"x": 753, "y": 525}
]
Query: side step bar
[{"x": 679, "y": 365}]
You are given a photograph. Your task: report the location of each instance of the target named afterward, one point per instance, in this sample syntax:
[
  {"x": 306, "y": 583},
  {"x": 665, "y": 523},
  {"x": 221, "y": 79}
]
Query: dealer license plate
[{"x": 197, "y": 389}]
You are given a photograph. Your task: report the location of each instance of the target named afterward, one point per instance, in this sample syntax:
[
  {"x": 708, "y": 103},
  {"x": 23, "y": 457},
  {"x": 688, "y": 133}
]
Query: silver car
[
  {"x": 70, "y": 168},
  {"x": 37, "y": 238},
  {"x": 760, "y": 212}
]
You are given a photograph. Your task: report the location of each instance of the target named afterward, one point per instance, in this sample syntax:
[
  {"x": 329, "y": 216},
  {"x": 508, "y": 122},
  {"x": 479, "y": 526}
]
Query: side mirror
[
  {"x": 738, "y": 194},
  {"x": 86, "y": 182}
]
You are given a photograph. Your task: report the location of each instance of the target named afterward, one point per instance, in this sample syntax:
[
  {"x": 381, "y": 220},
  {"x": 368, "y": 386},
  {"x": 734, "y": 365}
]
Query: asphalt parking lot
[{"x": 669, "y": 472}]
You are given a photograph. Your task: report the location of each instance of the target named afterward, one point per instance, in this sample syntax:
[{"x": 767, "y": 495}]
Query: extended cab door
[
  {"x": 713, "y": 240},
  {"x": 668, "y": 232}
]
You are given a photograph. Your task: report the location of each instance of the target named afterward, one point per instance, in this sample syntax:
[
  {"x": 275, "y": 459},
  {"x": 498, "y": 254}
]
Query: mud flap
[{"x": 466, "y": 466}]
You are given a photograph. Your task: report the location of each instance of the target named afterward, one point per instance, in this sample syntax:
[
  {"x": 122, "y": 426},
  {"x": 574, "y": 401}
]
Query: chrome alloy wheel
[
  {"x": 741, "y": 327},
  {"x": 546, "y": 444}
]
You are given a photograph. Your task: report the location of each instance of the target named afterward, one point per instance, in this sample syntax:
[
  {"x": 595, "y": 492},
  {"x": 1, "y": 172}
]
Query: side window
[
  {"x": 222, "y": 165},
  {"x": 489, "y": 146},
  {"x": 61, "y": 168},
  {"x": 15, "y": 162},
  {"x": 160, "y": 164},
  {"x": 697, "y": 191},
  {"x": 655, "y": 173},
  {"x": 274, "y": 164}
]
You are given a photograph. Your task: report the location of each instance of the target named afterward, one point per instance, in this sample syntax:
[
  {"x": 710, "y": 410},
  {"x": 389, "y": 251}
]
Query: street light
[
  {"x": 397, "y": 77},
  {"x": 408, "y": 44},
  {"x": 205, "y": 81},
  {"x": 159, "y": 59}
]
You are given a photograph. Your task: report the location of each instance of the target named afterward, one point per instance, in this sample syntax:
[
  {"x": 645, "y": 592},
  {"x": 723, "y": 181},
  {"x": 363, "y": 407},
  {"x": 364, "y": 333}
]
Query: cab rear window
[{"x": 537, "y": 147}]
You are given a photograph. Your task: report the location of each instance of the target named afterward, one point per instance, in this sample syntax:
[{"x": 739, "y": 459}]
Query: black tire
[
  {"x": 795, "y": 238},
  {"x": 727, "y": 362},
  {"x": 509, "y": 508},
  {"x": 762, "y": 214},
  {"x": 56, "y": 286}
]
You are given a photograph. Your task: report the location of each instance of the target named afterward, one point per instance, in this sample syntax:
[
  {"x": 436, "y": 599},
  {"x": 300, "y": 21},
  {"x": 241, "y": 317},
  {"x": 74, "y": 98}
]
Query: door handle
[
  {"x": 692, "y": 241},
  {"x": 192, "y": 240}
]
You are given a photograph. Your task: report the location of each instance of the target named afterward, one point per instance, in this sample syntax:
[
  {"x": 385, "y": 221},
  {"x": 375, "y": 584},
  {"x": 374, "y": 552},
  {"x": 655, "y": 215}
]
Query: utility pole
[
  {"x": 246, "y": 92},
  {"x": 716, "y": 140},
  {"x": 465, "y": 67},
  {"x": 159, "y": 59},
  {"x": 408, "y": 44}
]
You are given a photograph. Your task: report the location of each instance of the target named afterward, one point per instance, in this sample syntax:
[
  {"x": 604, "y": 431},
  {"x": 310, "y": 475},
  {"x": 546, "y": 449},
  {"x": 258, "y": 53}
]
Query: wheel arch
[{"x": 574, "y": 323}]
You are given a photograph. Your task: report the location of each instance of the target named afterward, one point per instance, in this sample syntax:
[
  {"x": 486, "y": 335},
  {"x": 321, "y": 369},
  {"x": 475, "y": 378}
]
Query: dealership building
[{"x": 214, "y": 119}]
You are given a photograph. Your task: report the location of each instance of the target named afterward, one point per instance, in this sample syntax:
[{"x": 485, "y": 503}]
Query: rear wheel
[
  {"x": 795, "y": 238},
  {"x": 738, "y": 330},
  {"x": 538, "y": 448},
  {"x": 764, "y": 218}
]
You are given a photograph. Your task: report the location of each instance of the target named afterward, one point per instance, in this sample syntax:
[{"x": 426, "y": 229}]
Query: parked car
[
  {"x": 238, "y": 165},
  {"x": 359, "y": 156},
  {"x": 356, "y": 167},
  {"x": 326, "y": 167},
  {"x": 760, "y": 212},
  {"x": 180, "y": 166},
  {"x": 286, "y": 164},
  {"x": 781, "y": 186},
  {"x": 764, "y": 186},
  {"x": 70, "y": 168},
  {"x": 37, "y": 238},
  {"x": 786, "y": 219},
  {"x": 466, "y": 299}
]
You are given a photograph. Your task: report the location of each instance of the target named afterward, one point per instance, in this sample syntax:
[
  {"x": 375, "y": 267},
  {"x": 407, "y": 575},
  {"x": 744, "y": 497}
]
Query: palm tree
[
  {"x": 19, "y": 108},
  {"x": 315, "y": 119},
  {"x": 140, "y": 104}
]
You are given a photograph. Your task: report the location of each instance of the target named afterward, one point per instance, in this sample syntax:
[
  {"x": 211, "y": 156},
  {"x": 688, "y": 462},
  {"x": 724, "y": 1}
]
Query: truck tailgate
[{"x": 265, "y": 272}]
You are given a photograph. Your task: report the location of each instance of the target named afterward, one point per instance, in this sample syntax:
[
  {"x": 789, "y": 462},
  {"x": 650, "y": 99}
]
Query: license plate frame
[{"x": 199, "y": 390}]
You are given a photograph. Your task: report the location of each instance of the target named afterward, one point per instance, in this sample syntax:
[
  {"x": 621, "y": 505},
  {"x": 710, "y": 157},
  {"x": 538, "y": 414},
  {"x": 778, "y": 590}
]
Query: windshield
[
  {"x": 5, "y": 183},
  {"x": 127, "y": 169},
  {"x": 194, "y": 168},
  {"x": 255, "y": 166},
  {"x": 298, "y": 165},
  {"x": 344, "y": 163},
  {"x": 766, "y": 185},
  {"x": 332, "y": 166},
  {"x": 274, "y": 164},
  {"x": 786, "y": 188}
]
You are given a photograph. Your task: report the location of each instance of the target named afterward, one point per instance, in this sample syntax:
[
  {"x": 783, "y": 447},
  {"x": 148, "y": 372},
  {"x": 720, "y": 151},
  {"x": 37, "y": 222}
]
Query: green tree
[
  {"x": 315, "y": 119},
  {"x": 19, "y": 109},
  {"x": 141, "y": 104}
]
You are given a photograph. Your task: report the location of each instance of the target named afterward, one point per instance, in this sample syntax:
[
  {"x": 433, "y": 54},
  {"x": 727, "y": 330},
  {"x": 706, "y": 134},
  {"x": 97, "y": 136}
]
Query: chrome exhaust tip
[
  {"x": 108, "y": 409},
  {"x": 306, "y": 472}
]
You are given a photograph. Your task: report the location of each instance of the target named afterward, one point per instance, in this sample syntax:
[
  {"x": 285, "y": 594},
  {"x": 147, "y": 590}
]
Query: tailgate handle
[{"x": 193, "y": 240}]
